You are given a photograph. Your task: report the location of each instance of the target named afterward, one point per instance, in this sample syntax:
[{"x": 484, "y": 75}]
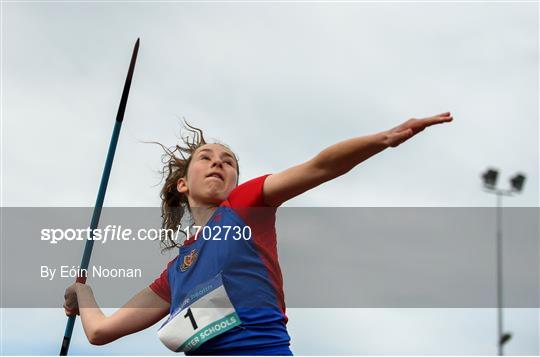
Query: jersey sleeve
[
  {"x": 161, "y": 284},
  {"x": 247, "y": 200},
  {"x": 249, "y": 194}
]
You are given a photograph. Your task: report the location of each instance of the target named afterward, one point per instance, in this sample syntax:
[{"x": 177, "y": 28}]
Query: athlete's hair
[{"x": 174, "y": 203}]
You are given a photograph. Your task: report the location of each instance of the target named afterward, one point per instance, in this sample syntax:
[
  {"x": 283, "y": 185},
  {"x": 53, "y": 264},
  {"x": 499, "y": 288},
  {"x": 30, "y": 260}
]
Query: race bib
[{"x": 205, "y": 313}]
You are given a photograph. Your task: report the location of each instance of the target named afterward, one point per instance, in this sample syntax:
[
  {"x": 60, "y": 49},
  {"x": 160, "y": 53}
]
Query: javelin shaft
[{"x": 101, "y": 193}]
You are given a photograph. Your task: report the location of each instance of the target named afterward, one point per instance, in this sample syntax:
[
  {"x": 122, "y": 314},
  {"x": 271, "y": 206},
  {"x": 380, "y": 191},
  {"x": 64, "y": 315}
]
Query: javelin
[{"x": 101, "y": 193}]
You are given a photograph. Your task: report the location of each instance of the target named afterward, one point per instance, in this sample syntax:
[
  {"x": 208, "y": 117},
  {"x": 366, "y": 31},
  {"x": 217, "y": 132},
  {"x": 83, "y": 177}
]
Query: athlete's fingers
[
  {"x": 437, "y": 120},
  {"x": 443, "y": 117},
  {"x": 70, "y": 311},
  {"x": 71, "y": 306},
  {"x": 424, "y": 123},
  {"x": 445, "y": 114}
]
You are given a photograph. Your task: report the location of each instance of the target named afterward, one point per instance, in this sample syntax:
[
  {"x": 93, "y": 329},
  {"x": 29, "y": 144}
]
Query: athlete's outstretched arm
[
  {"x": 339, "y": 159},
  {"x": 142, "y": 311}
]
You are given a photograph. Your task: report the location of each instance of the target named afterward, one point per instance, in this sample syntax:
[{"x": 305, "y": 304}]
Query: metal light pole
[{"x": 490, "y": 182}]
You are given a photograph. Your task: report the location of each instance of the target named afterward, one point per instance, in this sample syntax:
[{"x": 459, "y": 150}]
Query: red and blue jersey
[{"x": 249, "y": 269}]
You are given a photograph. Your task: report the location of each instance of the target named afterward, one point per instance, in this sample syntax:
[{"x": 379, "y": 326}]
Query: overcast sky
[{"x": 278, "y": 82}]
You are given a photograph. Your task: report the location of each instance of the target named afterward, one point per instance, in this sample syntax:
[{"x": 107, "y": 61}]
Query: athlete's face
[{"x": 211, "y": 176}]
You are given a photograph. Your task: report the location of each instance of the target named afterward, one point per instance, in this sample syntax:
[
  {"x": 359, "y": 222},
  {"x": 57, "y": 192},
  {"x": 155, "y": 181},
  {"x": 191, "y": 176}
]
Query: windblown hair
[{"x": 174, "y": 203}]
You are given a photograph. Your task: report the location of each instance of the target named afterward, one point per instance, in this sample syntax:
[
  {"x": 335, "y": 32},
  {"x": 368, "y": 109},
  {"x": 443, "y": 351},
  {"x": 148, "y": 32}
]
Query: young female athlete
[{"x": 225, "y": 297}]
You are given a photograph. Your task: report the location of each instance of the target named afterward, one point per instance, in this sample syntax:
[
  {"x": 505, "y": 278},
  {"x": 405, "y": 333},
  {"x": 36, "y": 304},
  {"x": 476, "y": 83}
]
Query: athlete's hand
[
  {"x": 411, "y": 127},
  {"x": 71, "y": 305}
]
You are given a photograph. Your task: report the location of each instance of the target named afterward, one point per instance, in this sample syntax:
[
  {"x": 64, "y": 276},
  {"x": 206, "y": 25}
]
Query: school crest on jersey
[{"x": 189, "y": 260}]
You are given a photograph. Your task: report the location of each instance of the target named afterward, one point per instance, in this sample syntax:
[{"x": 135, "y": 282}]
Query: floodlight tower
[{"x": 490, "y": 182}]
